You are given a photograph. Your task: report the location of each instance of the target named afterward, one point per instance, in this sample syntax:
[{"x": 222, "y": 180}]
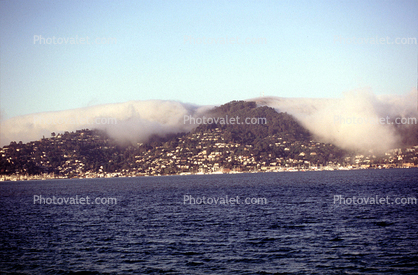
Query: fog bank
[
  {"x": 359, "y": 120},
  {"x": 352, "y": 122},
  {"x": 133, "y": 121}
]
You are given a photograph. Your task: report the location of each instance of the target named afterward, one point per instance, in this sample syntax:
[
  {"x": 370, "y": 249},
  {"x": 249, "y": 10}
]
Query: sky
[{"x": 200, "y": 52}]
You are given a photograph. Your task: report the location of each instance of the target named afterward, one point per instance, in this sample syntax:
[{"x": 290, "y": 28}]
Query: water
[{"x": 300, "y": 230}]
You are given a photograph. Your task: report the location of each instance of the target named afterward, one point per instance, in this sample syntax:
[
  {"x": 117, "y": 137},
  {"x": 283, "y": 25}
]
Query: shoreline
[{"x": 15, "y": 178}]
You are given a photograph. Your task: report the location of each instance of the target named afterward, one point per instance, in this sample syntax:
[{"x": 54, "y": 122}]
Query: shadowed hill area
[
  {"x": 268, "y": 123},
  {"x": 277, "y": 142}
]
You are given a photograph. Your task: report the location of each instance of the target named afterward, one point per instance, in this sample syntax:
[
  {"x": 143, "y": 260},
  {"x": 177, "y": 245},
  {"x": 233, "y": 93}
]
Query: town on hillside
[{"x": 91, "y": 154}]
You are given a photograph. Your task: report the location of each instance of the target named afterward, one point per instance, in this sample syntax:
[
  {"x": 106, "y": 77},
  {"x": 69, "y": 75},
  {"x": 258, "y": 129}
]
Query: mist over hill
[
  {"x": 133, "y": 121},
  {"x": 278, "y": 140},
  {"x": 237, "y": 136},
  {"x": 359, "y": 121},
  {"x": 350, "y": 122}
]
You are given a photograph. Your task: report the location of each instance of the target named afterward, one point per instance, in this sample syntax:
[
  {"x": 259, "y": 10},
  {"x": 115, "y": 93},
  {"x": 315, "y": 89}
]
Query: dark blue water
[{"x": 300, "y": 230}]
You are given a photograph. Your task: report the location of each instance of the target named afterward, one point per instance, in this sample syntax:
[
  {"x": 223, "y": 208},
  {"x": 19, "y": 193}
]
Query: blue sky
[{"x": 158, "y": 52}]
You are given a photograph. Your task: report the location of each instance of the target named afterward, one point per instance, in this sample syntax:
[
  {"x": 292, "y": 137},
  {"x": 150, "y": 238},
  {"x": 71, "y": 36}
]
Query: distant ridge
[
  {"x": 329, "y": 120},
  {"x": 280, "y": 144}
]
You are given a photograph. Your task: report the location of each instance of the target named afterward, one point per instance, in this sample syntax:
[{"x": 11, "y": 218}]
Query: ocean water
[{"x": 271, "y": 223}]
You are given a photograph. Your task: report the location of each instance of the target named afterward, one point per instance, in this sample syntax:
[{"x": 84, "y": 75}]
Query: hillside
[{"x": 280, "y": 143}]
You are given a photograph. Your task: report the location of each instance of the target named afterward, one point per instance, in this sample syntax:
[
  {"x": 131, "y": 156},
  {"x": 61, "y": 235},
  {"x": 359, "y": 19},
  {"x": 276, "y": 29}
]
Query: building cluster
[{"x": 86, "y": 154}]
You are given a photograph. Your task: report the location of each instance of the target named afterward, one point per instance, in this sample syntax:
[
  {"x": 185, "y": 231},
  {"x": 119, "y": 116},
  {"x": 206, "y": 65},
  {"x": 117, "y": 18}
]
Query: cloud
[
  {"x": 351, "y": 122},
  {"x": 133, "y": 121},
  {"x": 358, "y": 121}
]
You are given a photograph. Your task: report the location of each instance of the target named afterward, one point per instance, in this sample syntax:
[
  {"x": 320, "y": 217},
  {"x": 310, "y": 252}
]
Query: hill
[{"x": 276, "y": 141}]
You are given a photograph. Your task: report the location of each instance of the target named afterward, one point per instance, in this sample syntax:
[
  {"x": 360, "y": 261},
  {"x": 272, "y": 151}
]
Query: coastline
[{"x": 90, "y": 175}]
